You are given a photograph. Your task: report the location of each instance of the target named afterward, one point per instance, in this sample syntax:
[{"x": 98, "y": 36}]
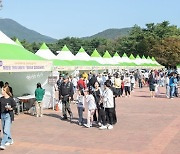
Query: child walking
[
  {"x": 91, "y": 107},
  {"x": 80, "y": 105}
]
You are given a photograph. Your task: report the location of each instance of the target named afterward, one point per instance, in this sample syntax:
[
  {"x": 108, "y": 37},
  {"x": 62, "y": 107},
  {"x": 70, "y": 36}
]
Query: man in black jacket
[{"x": 66, "y": 94}]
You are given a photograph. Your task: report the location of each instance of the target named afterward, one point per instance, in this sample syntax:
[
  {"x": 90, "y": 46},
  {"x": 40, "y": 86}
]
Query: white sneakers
[
  {"x": 103, "y": 127},
  {"x": 106, "y": 127},
  {"x": 2, "y": 147},
  {"x": 110, "y": 127},
  {"x": 86, "y": 125},
  {"x": 9, "y": 143},
  {"x": 99, "y": 124},
  {"x": 39, "y": 115}
]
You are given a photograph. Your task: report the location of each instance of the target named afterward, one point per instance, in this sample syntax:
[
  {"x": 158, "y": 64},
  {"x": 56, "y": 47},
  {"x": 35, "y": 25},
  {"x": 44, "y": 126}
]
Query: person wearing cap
[
  {"x": 66, "y": 94},
  {"x": 39, "y": 94}
]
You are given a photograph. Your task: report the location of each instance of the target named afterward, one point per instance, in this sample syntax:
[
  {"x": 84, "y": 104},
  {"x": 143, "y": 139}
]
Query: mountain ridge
[
  {"x": 13, "y": 29},
  {"x": 111, "y": 33}
]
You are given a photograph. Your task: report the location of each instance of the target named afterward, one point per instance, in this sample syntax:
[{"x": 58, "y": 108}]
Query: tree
[{"x": 168, "y": 52}]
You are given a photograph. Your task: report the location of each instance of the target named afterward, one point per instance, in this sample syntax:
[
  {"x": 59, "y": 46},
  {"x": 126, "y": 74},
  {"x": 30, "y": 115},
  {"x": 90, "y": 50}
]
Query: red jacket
[{"x": 81, "y": 84}]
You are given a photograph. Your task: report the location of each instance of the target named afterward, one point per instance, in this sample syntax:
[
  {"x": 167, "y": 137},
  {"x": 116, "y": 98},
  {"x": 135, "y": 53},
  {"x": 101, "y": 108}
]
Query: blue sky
[{"x": 80, "y": 18}]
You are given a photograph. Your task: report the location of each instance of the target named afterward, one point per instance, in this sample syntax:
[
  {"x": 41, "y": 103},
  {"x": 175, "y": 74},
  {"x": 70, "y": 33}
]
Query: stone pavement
[{"x": 145, "y": 126}]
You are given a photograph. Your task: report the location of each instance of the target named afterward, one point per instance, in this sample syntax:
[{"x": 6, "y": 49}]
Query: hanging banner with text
[{"x": 24, "y": 66}]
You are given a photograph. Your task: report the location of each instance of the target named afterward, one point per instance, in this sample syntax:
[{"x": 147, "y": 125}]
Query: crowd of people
[
  {"x": 99, "y": 92},
  {"x": 94, "y": 93}
]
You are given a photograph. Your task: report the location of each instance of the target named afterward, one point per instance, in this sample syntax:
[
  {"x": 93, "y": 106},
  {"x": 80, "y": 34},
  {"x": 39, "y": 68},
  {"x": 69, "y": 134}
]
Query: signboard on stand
[{"x": 52, "y": 80}]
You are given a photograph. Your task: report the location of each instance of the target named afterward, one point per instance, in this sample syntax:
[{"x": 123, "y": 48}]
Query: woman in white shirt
[
  {"x": 127, "y": 84},
  {"x": 91, "y": 107},
  {"x": 108, "y": 105}
]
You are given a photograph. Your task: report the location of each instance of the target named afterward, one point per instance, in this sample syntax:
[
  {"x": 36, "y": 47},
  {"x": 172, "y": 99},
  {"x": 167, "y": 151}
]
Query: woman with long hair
[
  {"x": 7, "y": 105},
  {"x": 39, "y": 94}
]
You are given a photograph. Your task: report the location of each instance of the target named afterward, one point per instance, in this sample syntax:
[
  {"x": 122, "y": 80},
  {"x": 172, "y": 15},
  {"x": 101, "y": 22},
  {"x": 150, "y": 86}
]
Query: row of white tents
[
  {"x": 23, "y": 69},
  {"x": 82, "y": 60}
]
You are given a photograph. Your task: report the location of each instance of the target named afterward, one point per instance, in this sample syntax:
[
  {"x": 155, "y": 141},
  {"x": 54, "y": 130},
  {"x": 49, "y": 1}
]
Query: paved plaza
[{"x": 145, "y": 126}]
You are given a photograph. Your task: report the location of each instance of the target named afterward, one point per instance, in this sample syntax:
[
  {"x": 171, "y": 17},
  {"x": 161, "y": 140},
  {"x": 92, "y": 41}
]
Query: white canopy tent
[
  {"x": 108, "y": 59},
  {"x": 82, "y": 55},
  {"x": 116, "y": 58},
  {"x": 45, "y": 52},
  {"x": 97, "y": 57},
  {"x": 65, "y": 54},
  {"x": 125, "y": 59},
  {"x": 23, "y": 69}
]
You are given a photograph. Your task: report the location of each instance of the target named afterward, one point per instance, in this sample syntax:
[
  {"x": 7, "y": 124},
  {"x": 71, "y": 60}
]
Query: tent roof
[
  {"x": 82, "y": 55},
  {"x": 116, "y": 55},
  {"x": 132, "y": 57},
  {"x": 143, "y": 57},
  {"x": 65, "y": 54},
  {"x": 44, "y": 46},
  {"x": 124, "y": 55},
  {"x": 75, "y": 63},
  {"x": 153, "y": 59},
  {"x": 44, "y": 52},
  {"x": 15, "y": 52},
  {"x": 148, "y": 57},
  {"x": 6, "y": 40},
  {"x": 81, "y": 49},
  {"x": 19, "y": 43},
  {"x": 95, "y": 54},
  {"x": 65, "y": 48},
  {"x": 137, "y": 57},
  {"x": 127, "y": 64},
  {"x": 107, "y": 55}
]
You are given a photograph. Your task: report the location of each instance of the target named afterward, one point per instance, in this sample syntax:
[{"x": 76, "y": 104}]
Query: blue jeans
[
  {"x": 6, "y": 128},
  {"x": 80, "y": 113},
  {"x": 172, "y": 89}
]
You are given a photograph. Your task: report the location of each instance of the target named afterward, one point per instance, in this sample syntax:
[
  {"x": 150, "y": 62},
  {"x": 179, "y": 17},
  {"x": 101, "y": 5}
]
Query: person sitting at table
[{"x": 39, "y": 94}]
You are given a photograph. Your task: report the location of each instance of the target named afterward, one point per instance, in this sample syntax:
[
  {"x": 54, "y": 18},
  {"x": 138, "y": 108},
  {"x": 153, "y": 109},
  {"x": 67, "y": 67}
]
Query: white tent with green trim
[
  {"x": 149, "y": 60},
  {"x": 97, "y": 57},
  {"x": 144, "y": 60},
  {"x": 125, "y": 59},
  {"x": 65, "y": 54},
  {"x": 154, "y": 61},
  {"x": 138, "y": 60},
  {"x": 108, "y": 59},
  {"x": 116, "y": 58},
  {"x": 23, "y": 69},
  {"x": 45, "y": 52},
  {"x": 14, "y": 58},
  {"x": 5, "y": 39},
  {"x": 132, "y": 58},
  {"x": 82, "y": 55}
]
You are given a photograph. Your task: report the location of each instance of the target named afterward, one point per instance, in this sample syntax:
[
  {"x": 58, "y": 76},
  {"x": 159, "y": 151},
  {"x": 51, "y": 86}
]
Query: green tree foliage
[
  {"x": 161, "y": 41},
  {"x": 168, "y": 51}
]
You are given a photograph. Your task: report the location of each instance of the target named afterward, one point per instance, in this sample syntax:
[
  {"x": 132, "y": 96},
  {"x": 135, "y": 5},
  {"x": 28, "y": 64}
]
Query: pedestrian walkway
[{"x": 145, "y": 126}]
